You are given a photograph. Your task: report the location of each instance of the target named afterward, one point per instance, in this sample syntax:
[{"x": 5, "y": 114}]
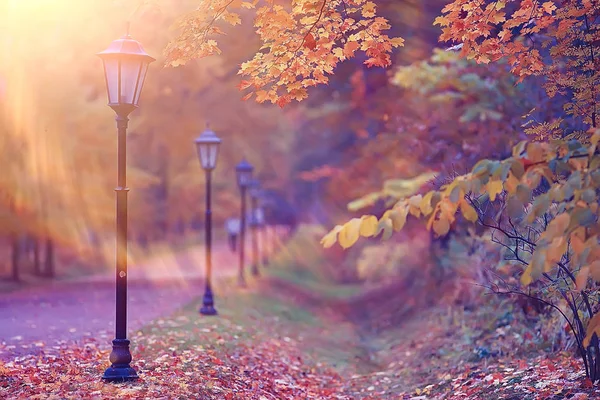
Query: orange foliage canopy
[
  {"x": 524, "y": 32},
  {"x": 301, "y": 43}
]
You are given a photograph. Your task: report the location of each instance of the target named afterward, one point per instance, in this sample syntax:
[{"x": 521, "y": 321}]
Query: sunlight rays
[{"x": 57, "y": 170}]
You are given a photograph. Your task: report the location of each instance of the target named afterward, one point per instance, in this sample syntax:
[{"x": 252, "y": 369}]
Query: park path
[{"x": 42, "y": 316}]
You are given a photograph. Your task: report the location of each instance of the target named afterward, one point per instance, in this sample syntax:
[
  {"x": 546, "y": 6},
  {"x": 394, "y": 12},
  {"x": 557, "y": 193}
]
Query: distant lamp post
[
  {"x": 244, "y": 177},
  {"x": 207, "y": 145},
  {"x": 125, "y": 67},
  {"x": 263, "y": 235},
  {"x": 254, "y": 193}
]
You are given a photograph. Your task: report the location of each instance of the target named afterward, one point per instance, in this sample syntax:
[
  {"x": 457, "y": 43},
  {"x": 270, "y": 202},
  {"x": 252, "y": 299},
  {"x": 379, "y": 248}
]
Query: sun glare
[{"x": 49, "y": 49}]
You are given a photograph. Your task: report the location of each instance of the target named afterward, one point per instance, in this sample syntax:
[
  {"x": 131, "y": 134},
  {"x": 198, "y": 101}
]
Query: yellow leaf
[
  {"x": 397, "y": 42},
  {"x": 331, "y": 237},
  {"x": 368, "y": 226},
  {"x": 441, "y": 226},
  {"x": 448, "y": 209},
  {"x": 232, "y": 18},
  {"x": 349, "y": 233},
  {"x": 468, "y": 211},
  {"x": 526, "y": 277},
  {"x": 494, "y": 188},
  {"x": 593, "y": 327},
  {"x": 398, "y": 217},
  {"x": 368, "y": 9},
  {"x": 549, "y": 7},
  {"x": 425, "y": 205}
]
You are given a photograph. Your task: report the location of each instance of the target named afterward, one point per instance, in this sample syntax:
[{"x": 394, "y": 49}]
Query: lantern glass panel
[
  {"x": 111, "y": 73},
  {"x": 130, "y": 71}
]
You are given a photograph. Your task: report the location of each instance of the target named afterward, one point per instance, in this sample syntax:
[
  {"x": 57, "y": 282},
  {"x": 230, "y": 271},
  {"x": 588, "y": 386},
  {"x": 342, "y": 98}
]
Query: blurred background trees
[{"x": 430, "y": 112}]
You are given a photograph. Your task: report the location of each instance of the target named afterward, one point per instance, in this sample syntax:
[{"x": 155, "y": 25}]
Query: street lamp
[
  {"x": 244, "y": 177},
  {"x": 263, "y": 236},
  {"x": 207, "y": 145},
  {"x": 125, "y": 67},
  {"x": 254, "y": 193}
]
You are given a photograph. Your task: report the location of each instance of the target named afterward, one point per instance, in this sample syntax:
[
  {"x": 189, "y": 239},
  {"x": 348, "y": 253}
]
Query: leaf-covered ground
[
  {"x": 253, "y": 350},
  {"x": 274, "y": 342}
]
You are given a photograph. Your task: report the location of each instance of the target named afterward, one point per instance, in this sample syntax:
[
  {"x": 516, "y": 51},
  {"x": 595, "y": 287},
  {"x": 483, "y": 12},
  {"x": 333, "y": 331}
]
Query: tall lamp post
[
  {"x": 263, "y": 236},
  {"x": 244, "y": 177},
  {"x": 207, "y": 146},
  {"x": 125, "y": 67},
  {"x": 254, "y": 193}
]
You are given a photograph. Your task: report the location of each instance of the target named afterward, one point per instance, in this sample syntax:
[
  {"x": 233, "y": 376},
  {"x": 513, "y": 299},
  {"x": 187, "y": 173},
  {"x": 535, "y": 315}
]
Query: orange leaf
[
  {"x": 310, "y": 42},
  {"x": 350, "y": 48}
]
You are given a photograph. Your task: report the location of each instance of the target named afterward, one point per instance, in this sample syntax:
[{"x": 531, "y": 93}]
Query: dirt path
[{"x": 43, "y": 316}]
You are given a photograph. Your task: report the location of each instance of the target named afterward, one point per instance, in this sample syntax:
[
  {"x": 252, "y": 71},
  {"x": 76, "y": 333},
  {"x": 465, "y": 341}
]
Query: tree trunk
[
  {"x": 49, "y": 260},
  {"x": 36, "y": 257},
  {"x": 16, "y": 253}
]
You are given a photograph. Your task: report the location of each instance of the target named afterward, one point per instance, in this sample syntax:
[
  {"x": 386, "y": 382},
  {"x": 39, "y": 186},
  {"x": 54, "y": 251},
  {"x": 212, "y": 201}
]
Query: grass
[
  {"x": 252, "y": 316},
  {"x": 301, "y": 263}
]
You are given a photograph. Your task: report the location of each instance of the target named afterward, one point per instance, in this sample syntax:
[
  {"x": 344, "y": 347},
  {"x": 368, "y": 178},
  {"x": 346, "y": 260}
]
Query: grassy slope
[{"x": 440, "y": 352}]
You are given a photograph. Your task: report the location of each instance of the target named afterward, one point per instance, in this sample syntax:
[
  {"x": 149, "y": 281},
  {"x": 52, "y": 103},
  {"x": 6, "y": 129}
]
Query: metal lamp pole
[
  {"x": 254, "y": 189},
  {"x": 207, "y": 146},
  {"x": 244, "y": 176},
  {"x": 125, "y": 67},
  {"x": 263, "y": 239}
]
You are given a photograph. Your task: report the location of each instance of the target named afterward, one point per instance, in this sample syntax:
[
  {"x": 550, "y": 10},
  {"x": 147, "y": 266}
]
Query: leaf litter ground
[{"x": 276, "y": 344}]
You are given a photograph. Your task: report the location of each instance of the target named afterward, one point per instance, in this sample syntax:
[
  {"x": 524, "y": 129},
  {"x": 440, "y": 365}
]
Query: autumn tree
[
  {"x": 301, "y": 42},
  {"x": 540, "y": 203}
]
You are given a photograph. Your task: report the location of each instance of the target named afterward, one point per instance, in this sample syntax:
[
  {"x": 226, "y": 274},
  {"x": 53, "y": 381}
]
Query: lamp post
[
  {"x": 125, "y": 67},
  {"x": 263, "y": 236},
  {"x": 244, "y": 176},
  {"x": 207, "y": 146},
  {"x": 254, "y": 193}
]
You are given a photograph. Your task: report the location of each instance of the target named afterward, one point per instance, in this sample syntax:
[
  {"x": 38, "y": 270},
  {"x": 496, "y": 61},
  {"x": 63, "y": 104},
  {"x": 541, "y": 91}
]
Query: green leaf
[
  {"x": 581, "y": 217},
  {"x": 517, "y": 169},
  {"x": 455, "y": 194},
  {"x": 481, "y": 167},
  {"x": 523, "y": 193},
  {"x": 589, "y": 196},
  {"x": 514, "y": 207}
]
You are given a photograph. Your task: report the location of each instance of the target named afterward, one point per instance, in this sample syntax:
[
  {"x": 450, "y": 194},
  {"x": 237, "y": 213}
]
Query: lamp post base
[
  {"x": 120, "y": 357},
  {"x": 119, "y": 373},
  {"x": 208, "y": 310},
  {"x": 208, "y": 303}
]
